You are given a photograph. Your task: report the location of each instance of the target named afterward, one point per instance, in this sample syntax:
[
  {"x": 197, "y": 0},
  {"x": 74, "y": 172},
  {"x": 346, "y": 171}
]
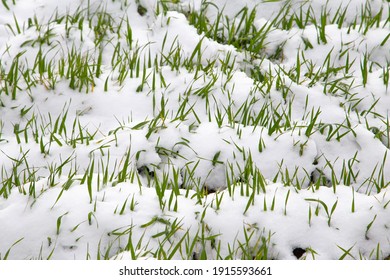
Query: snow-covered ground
[{"x": 188, "y": 129}]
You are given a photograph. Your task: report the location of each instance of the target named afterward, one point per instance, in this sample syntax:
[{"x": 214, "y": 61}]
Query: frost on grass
[{"x": 137, "y": 129}]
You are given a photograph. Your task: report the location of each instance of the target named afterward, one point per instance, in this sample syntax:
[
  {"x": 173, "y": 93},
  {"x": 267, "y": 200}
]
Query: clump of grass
[{"x": 325, "y": 207}]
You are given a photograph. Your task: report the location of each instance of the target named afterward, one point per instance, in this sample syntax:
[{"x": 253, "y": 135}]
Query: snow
[{"x": 84, "y": 170}]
